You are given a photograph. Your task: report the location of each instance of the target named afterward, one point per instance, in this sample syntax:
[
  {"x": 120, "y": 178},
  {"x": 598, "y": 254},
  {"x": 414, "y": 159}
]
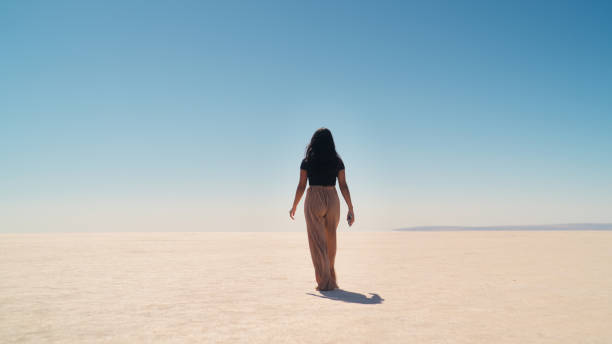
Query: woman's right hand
[{"x": 350, "y": 217}]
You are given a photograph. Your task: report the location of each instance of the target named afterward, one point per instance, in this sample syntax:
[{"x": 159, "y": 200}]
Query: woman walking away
[{"x": 321, "y": 166}]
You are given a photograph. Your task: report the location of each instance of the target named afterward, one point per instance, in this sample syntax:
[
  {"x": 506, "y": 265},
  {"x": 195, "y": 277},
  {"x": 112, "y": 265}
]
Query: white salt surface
[{"x": 398, "y": 287}]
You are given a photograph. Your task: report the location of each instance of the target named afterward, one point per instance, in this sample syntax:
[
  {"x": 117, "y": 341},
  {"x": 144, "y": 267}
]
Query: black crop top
[{"x": 322, "y": 173}]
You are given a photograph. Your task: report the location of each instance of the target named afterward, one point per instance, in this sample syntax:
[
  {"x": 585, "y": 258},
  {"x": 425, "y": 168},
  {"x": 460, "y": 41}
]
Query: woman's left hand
[{"x": 292, "y": 213}]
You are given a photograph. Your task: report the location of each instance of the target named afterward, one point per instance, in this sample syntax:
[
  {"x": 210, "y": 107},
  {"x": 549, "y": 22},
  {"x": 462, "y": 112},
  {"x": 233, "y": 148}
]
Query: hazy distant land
[{"x": 553, "y": 227}]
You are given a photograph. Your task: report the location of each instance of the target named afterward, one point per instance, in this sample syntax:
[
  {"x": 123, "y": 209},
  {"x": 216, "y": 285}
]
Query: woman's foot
[{"x": 326, "y": 289}]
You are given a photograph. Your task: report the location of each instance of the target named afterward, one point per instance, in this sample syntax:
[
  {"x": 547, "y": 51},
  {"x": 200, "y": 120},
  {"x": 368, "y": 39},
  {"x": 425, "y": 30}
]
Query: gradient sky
[{"x": 193, "y": 116}]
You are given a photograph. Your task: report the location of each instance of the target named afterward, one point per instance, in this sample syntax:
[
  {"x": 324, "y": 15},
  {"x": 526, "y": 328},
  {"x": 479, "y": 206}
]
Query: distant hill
[{"x": 554, "y": 227}]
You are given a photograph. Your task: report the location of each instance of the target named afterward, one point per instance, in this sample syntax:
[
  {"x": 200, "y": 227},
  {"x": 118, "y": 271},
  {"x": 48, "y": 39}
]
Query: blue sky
[{"x": 193, "y": 115}]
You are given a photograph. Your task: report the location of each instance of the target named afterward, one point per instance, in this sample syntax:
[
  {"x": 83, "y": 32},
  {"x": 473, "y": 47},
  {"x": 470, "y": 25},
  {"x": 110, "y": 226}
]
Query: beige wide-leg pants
[{"x": 322, "y": 213}]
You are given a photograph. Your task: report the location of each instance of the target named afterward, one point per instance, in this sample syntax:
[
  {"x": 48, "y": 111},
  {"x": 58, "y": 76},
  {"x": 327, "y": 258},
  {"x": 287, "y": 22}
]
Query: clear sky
[{"x": 193, "y": 115}]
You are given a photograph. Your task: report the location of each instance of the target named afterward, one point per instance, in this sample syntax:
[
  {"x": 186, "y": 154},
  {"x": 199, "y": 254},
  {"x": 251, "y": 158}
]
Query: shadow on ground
[{"x": 348, "y": 296}]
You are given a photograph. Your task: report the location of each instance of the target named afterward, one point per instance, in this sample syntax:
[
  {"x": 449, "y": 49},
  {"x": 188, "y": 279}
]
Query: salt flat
[{"x": 397, "y": 287}]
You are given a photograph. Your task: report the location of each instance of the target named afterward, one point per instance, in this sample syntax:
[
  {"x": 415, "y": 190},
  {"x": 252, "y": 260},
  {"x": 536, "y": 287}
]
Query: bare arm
[
  {"x": 299, "y": 191},
  {"x": 347, "y": 196}
]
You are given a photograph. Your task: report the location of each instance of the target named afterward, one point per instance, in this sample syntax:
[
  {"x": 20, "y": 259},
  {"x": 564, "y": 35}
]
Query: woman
[{"x": 321, "y": 166}]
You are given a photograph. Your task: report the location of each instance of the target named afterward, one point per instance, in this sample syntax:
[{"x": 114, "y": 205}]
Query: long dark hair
[{"x": 322, "y": 148}]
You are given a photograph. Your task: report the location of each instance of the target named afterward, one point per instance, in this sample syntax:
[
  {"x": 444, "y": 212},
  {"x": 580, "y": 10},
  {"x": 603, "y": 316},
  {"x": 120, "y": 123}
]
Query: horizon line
[{"x": 590, "y": 226}]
